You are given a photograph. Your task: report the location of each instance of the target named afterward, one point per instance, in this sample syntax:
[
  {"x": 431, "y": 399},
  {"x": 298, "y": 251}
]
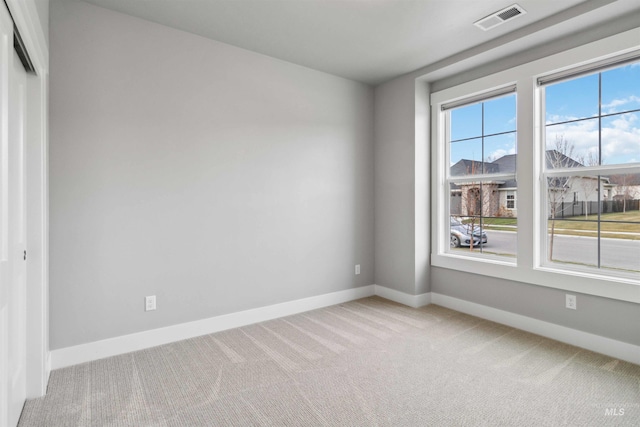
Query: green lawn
[
  {"x": 500, "y": 221},
  {"x": 628, "y": 222}
]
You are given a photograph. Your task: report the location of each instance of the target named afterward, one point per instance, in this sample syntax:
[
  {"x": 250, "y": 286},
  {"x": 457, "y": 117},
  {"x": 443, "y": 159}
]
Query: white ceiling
[{"x": 366, "y": 40}]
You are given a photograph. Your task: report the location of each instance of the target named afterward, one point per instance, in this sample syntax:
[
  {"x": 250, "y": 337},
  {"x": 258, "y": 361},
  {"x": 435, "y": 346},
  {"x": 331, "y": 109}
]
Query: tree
[
  {"x": 557, "y": 186},
  {"x": 588, "y": 184},
  {"x": 472, "y": 207},
  {"x": 476, "y": 200}
]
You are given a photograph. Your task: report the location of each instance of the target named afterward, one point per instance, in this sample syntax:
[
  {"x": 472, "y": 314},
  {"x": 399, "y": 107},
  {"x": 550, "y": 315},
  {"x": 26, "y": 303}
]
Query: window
[
  {"x": 565, "y": 211},
  {"x": 482, "y": 162},
  {"x": 592, "y": 149},
  {"x": 511, "y": 200}
]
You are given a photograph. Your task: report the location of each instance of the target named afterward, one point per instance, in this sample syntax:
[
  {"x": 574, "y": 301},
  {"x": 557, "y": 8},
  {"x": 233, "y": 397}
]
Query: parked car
[{"x": 461, "y": 234}]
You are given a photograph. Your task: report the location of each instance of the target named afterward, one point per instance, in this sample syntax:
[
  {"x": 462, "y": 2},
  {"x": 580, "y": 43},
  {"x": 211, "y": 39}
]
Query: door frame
[{"x": 38, "y": 363}]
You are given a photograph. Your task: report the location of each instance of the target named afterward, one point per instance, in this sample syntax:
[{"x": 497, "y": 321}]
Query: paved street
[{"x": 615, "y": 253}]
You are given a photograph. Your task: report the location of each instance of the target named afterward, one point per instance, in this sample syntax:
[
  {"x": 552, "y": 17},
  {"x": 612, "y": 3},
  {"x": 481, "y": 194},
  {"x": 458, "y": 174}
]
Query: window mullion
[
  {"x": 599, "y": 164},
  {"x": 480, "y": 178},
  {"x": 629, "y": 168}
]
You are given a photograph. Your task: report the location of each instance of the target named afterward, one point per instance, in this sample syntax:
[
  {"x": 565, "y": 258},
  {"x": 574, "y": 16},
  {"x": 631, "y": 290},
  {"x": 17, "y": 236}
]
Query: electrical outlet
[
  {"x": 357, "y": 268},
  {"x": 571, "y": 302},
  {"x": 150, "y": 303}
]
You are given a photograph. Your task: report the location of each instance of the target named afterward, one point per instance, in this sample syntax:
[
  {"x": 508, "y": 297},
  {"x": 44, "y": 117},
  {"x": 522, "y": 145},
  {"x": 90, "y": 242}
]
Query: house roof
[
  {"x": 554, "y": 159},
  {"x": 473, "y": 167},
  {"x": 507, "y": 164}
]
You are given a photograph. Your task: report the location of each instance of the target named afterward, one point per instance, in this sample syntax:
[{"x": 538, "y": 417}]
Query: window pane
[
  {"x": 567, "y": 196},
  {"x": 573, "y": 99},
  {"x": 466, "y": 157},
  {"x": 466, "y": 122},
  {"x": 623, "y": 187},
  {"x": 621, "y": 138},
  {"x": 462, "y": 237},
  {"x": 500, "y": 115},
  {"x": 502, "y": 237},
  {"x": 591, "y": 226},
  {"x": 567, "y": 244},
  {"x": 572, "y": 144},
  {"x": 561, "y": 200},
  {"x": 500, "y": 153},
  {"x": 571, "y": 237},
  {"x": 620, "y": 235},
  {"x": 484, "y": 208},
  {"x": 473, "y": 149},
  {"x": 621, "y": 89}
]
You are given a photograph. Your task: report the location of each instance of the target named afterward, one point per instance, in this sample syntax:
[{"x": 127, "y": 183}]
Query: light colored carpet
[{"x": 365, "y": 363}]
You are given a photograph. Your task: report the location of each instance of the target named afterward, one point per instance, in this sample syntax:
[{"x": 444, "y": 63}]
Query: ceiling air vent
[{"x": 500, "y": 17}]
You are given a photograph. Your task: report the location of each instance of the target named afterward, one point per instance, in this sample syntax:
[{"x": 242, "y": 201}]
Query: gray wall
[
  {"x": 42, "y": 6},
  {"x": 401, "y": 184},
  {"x": 215, "y": 178},
  {"x": 614, "y": 319},
  {"x": 397, "y": 253},
  {"x": 222, "y": 180},
  {"x": 394, "y": 185}
]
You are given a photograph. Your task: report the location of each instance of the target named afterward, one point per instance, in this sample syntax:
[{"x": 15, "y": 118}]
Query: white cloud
[
  {"x": 612, "y": 107},
  {"x": 501, "y": 152},
  {"x": 631, "y": 102},
  {"x": 620, "y": 138},
  {"x": 558, "y": 118}
]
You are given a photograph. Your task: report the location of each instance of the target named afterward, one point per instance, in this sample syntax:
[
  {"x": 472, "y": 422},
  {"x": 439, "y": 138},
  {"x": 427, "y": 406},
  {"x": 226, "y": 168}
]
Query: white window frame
[
  {"x": 481, "y": 178},
  {"x": 530, "y": 266}
]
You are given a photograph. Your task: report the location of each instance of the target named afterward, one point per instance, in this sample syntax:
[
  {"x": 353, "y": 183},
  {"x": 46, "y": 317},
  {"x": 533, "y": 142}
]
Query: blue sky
[
  {"x": 466, "y": 122},
  {"x": 565, "y": 101}
]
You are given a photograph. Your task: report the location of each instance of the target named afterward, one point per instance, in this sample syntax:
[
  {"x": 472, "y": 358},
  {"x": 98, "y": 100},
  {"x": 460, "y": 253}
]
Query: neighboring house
[
  {"x": 626, "y": 192},
  {"x": 627, "y": 186},
  {"x": 570, "y": 196}
]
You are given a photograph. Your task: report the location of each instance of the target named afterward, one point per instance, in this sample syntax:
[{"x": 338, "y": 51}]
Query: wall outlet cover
[
  {"x": 150, "y": 303},
  {"x": 571, "y": 302}
]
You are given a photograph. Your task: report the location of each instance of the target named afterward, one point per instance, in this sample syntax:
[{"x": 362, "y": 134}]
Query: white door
[{"x": 12, "y": 227}]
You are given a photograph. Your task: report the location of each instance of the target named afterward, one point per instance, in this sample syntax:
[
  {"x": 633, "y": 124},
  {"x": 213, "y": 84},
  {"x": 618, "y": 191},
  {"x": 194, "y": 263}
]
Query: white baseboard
[
  {"x": 127, "y": 343},
  {"x": 599, "y": 344},
  {"x": 69, "y": 356},
  {"x": 414, "y": 301}
]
